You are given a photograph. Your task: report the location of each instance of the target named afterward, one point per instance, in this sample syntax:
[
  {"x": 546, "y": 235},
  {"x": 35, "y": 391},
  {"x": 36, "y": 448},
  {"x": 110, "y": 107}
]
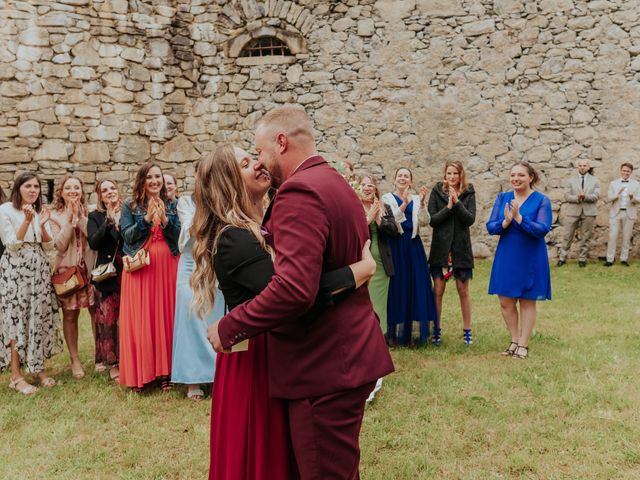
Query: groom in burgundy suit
[{"x": 324, "y": 366}]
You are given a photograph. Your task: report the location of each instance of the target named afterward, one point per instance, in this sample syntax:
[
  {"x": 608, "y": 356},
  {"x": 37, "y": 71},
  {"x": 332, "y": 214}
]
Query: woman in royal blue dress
[
  {"x": 520, "y": 272},
  {"x": 410, "y": 292}
]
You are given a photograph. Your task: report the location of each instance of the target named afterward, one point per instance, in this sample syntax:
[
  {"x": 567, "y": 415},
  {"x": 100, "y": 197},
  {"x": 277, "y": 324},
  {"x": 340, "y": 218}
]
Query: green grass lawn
[{"x": 571, "y": 411}]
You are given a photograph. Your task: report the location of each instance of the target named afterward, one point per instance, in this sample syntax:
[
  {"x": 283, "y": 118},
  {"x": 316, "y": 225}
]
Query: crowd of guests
[{"x": 143, "y": 325}]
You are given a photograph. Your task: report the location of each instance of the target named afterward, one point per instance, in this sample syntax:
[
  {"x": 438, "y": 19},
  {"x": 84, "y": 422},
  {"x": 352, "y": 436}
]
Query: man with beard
[{"x": 324, "y": 365}]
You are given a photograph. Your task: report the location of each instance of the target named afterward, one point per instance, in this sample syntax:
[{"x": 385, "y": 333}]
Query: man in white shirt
[
  {"x": 581, "y": 195},
  {"x": 625, "y": 195}
]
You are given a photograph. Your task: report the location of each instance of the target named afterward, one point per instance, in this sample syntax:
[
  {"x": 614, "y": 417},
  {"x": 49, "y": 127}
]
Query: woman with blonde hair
[
  {"x": 28, "y": 308},
  {"x": 382, "y": 226},
  {"x": 249, "y": 433},
  {"x": 148, "y": 221},
  {"x": 104, "y": 238},
  {"x": 69, "y": 226},
  {"x": 452, "y": 210}
]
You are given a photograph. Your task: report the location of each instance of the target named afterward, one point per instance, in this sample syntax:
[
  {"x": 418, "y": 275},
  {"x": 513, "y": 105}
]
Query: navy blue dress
[
  {"x": 410, "y": 292},
  {"x": 521, "y": 264}
]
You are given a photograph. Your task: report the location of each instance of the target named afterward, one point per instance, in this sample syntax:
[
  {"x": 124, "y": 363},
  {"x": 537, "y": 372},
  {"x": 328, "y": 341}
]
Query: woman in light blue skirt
[{"x": 194, "y": 360}]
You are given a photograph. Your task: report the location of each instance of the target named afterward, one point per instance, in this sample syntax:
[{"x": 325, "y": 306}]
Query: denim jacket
[{"x": 135, "y": 229}]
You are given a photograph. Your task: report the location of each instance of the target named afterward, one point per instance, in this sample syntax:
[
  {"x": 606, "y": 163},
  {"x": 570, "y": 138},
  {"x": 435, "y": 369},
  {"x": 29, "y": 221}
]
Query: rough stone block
[
  {"x": 102, "y": 133},
  {"x": 35, "y": 37},
  {"x": 481, "y": 27},
  {"x": 178, "y": 150},
  {"x": 52, "y": 150},
  {"x": 91, "y": 153},
  {"x": 14, "y": 155}
]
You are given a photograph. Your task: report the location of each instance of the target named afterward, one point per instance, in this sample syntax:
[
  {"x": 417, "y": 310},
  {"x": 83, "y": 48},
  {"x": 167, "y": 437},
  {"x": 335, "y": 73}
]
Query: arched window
[{"x": 265, "y": 47}]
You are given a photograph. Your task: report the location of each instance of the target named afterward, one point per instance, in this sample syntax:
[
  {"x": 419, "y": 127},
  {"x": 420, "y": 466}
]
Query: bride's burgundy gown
[{"x": 249, "y": 431}]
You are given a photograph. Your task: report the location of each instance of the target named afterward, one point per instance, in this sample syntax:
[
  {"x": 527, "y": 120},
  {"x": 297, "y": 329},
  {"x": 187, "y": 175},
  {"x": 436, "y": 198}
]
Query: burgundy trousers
[{"x": 325, "y": 434}]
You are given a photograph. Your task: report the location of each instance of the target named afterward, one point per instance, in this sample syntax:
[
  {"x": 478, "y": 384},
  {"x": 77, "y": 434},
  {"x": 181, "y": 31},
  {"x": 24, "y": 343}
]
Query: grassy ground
[{"x": 569, "y": 412}]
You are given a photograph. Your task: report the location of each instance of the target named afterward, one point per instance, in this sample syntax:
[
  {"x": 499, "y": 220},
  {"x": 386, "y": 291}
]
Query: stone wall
[{"x": 98, "y": 87}]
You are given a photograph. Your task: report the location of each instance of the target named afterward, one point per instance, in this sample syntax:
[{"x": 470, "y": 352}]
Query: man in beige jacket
[
  {"x": 624, "y": 193},
  {"x": 580, "y": 210}
]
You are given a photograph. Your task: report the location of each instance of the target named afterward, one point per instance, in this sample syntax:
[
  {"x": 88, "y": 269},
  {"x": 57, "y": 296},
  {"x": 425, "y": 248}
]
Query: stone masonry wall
[{"x": 99, "y": 86}]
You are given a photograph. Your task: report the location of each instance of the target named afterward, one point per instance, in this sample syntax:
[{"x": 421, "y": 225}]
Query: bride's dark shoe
[
  {"x": 521, "y": 352},
  {"x": 513, "y": 346}
]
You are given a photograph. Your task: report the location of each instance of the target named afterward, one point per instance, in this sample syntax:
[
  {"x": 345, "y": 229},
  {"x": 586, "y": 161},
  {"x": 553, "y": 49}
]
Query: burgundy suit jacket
[{"x": 315, "y": 224}]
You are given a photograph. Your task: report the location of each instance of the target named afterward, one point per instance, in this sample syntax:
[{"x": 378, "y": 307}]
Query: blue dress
[
  {"x": 194, "y": 360},
  {"x": 521, "y": 264},
  {"x": 410, "y": 292}
]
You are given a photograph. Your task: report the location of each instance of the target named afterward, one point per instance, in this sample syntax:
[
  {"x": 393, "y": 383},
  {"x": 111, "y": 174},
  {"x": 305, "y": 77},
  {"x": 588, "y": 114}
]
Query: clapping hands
[
  {"x": 375, "y": 212},
  {"x": 511, "y": 212},
  {"x": 45, "y": 216},
  {"x": 29, "y": 213},
  {"x": 156, "y": 212},
  {"x": 453, "y": 197}
]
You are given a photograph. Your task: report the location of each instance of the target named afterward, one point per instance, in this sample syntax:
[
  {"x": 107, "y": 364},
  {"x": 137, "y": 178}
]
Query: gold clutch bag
[{"x": 140, "y": 260}]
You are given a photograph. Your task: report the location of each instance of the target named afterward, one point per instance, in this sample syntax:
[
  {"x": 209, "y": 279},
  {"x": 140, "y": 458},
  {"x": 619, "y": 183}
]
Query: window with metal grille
[{"x": 265, "y": 47}]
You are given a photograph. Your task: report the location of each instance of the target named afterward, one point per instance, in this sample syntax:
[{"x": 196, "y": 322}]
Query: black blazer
[
  {"x": 387, "y": 228},
  {"x": 451, "y": 228},
  {"x": 104, "y": 238}
]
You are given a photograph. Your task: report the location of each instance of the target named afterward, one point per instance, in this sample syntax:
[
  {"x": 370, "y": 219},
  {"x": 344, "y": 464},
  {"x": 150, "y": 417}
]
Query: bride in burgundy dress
[{"x": 249, "y": 432}]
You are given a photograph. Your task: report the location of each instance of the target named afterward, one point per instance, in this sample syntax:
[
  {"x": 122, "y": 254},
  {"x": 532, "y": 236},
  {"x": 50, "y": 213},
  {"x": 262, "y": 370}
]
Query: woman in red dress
[
  {"x": 148, "y": 296},
  {"x": 249, "y": 432}
]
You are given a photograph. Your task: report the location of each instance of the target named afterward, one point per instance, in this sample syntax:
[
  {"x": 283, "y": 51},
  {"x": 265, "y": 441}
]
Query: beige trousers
[
  {"x": 614, "y": 228},
  {"x": 571, "y": 224}
]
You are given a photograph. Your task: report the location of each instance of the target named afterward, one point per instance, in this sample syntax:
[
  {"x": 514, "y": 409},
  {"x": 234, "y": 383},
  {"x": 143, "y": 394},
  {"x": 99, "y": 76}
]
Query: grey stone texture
[{"x": 98, "y": 87}]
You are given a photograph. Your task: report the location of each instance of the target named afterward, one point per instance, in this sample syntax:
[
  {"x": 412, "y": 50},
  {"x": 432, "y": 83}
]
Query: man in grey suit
[
  {"x": 625, "y": 195},
  {"x": 581, "y": 194}
]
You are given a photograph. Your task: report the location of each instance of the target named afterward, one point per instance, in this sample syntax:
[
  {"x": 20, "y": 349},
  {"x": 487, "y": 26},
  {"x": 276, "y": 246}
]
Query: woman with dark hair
[
  {"x": 104, "y": 238},
  {"x": 452, "y": 208},
  {"x": 28, "y": 307},
  {"x": 148, "y": 221},
  {"x": 410, "y": 293},
  {"x": 520, "y": 272},
  {"x": 3, "y": 198},
  {"x": 249, "y": 433},
  {"x": 69, "y": 226}
]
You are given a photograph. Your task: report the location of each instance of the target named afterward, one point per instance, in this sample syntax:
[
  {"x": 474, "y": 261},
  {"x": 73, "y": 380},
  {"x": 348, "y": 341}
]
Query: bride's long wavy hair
[{"x": 221, "y": 201}]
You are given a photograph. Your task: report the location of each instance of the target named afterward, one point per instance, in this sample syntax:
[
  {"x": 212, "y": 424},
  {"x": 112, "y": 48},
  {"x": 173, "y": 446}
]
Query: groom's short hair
[{"x": 292, "y": 121}]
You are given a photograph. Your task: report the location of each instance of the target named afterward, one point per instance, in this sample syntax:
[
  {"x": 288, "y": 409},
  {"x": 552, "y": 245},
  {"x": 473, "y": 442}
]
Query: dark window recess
[
  {"x": 265, "y": 47},
  {"x": 47, "y": 190}
]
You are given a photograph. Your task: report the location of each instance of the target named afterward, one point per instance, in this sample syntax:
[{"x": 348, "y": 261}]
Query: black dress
[
  {"x": 451, "y": 234},
  {"x": 104, "y": 238}
]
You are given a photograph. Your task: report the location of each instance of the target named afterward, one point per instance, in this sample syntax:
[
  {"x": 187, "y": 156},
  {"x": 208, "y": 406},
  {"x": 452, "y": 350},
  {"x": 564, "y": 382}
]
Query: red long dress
[
  {"x": 249, "y": 431},
  {"x": 147, "y": 306}
]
